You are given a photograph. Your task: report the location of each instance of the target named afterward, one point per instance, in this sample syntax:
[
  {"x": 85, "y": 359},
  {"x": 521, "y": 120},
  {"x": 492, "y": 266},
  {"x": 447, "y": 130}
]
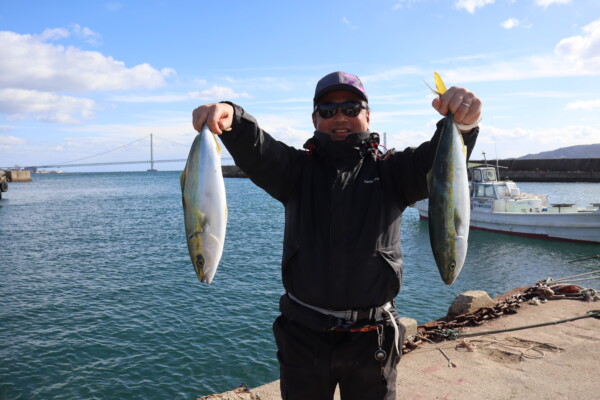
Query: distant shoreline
[{"x": 518, "y": 170}]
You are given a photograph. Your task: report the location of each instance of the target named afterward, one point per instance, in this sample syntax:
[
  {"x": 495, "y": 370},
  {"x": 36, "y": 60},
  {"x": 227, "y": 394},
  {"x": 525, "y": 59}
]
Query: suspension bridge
[{"x": 78, "y": 162}]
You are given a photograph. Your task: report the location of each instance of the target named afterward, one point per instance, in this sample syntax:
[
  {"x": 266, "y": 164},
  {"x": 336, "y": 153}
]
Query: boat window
[
  {"x": 480, "y": 191},
  {"x": 490, "y": 175},
  {"x": 477, "y": 175},
  {"x": 485, "y": 191},
  {"x": 502, "y": 191}
]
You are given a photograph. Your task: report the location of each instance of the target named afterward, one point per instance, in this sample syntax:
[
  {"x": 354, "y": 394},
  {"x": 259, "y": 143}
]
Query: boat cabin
[{"x": 490, "y": 195}]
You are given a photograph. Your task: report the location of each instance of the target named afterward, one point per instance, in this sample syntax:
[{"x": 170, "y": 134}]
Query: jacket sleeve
[
  {"x": 270, "y": 164},
  {"x": 410, "y": 167}
]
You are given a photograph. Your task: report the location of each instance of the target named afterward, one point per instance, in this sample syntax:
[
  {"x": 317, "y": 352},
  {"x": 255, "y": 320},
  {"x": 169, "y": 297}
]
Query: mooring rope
[{"x": 452, "y": 334}]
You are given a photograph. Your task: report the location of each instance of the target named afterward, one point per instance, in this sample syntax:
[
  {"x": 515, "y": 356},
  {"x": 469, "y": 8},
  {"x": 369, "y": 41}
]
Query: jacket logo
[{"x": 371, "y": 180}]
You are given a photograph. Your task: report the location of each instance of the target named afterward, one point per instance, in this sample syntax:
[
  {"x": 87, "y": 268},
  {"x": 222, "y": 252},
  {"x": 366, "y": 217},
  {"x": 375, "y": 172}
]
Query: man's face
[{"x": 340, "y": 125}]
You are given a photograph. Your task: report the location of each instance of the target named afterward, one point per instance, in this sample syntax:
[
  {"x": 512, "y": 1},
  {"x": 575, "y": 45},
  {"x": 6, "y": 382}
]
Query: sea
[{"x": 99, "y": 299}]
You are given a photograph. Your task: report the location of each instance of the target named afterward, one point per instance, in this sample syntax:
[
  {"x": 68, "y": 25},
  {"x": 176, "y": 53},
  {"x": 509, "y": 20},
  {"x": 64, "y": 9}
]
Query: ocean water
[{"x": 99, "y": 299}]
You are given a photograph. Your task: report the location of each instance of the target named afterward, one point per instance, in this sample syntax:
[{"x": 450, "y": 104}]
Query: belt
[{"x": 376, "y": 314}]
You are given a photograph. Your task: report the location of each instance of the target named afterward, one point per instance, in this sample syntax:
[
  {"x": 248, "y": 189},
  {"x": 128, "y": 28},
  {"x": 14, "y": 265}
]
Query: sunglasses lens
[
  {"x": 327, "y": 110},
  {"x": 349, "y": 108}
]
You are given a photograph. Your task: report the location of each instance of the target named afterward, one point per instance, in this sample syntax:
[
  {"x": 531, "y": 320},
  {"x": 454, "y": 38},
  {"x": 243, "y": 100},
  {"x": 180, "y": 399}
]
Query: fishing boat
[{"x": 500, "y": 206}]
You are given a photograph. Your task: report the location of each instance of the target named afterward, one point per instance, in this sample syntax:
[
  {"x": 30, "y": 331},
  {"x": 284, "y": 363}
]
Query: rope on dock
[
  {"x": 452, "y": 334},
  {"x": 550, "y": 280},
  {"x": 523, "y": 346}
]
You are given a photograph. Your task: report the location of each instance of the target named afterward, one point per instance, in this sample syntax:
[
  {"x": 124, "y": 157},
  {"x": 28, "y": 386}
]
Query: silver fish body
[
  {"x": 449, "y": 203},
  {"x": 204, "y": 205}
]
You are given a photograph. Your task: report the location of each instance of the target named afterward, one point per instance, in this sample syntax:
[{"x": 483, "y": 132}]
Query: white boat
[{"x": 499, "y": 206}]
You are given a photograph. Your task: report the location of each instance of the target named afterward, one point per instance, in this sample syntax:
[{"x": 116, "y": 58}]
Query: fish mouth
[{"x": 199, "y": 263}]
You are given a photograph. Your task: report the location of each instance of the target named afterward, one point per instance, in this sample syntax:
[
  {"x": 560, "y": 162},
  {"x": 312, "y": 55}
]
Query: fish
[
  {"x": 204, "y": 204},
  {"x": 449, "y": 211}
]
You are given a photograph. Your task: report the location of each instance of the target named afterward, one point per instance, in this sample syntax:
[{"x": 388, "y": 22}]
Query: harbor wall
[
  {"x": 18, "y": 176},
  {"x": 526, "y": 170},
  {"x": 548, "y": 170}
]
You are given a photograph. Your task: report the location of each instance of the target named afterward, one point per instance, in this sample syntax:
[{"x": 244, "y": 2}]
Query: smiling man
[{"x": 342, "y": 263}]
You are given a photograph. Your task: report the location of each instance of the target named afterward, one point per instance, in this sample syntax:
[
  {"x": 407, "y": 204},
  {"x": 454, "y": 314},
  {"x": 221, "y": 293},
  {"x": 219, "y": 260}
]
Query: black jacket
[{"x": 343, "y": 208}]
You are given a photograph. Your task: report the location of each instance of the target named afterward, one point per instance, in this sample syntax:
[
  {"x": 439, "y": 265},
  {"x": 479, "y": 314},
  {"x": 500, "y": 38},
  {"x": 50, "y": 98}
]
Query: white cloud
[
  {"x": 502, "y": 142},
  {"x": 114, "y": 7},
  {"x": 7, "y": 142},
  {"x": 161, "y": 98},
  {"x": 87, "y": 34},
  {"x": 391, "y": 74},
  {"x": 294, "y": 131},
  {"x": 510, "y": 23},
  {"x": 546, "y": 3},
  {"x": 583, "y": 47},
  {"x": 584, "y": 104},
  {"x": 217, "y": 93},
  {"x": 574, "y": 56},
  {"x": 28, "y": 62},
  {"x": 347, "y": 22},
  {"x": 48, "y": 107},
  {"x": 471, "y": 5},
  {"x": 54, "y": 34},
  {"x": 401, "y": 3}
]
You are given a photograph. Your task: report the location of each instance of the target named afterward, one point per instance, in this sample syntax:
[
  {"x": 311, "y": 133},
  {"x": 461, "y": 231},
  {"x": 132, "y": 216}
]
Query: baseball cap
[{"x": 339, "y": 81}]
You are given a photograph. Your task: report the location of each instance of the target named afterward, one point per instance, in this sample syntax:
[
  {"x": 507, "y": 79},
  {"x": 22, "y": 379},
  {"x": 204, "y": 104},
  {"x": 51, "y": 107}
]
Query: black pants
[{"x": 312, "y": 363}]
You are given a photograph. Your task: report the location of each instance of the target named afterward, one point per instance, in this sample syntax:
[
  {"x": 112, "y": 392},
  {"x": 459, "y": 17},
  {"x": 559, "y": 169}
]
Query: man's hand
[
  {"x": 465, "y": 106},
  {"x": 218, "y": 117}
]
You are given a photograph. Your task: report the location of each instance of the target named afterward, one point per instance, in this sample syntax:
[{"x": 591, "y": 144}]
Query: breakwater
[
  {"x": 17, "y": 176},
  {"x": 548, "y": 170},
  {"x": 527, "y": 170}
]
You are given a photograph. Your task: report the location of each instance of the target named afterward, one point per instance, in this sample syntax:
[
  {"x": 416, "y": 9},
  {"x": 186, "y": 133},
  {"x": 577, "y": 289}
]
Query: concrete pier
[{"x": 555, "y": 361}]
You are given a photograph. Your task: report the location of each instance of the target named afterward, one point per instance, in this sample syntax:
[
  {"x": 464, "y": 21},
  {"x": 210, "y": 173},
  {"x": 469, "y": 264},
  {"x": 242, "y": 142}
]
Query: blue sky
[{"x": 78, "y": 78}]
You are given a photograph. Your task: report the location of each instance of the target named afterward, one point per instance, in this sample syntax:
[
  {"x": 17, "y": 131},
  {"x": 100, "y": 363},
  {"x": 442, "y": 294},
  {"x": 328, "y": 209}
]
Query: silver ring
[{"x": 466, "y": 104}]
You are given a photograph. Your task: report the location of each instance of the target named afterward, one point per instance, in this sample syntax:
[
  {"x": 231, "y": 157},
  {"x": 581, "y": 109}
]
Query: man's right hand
[{"x": 218, "y": 117}]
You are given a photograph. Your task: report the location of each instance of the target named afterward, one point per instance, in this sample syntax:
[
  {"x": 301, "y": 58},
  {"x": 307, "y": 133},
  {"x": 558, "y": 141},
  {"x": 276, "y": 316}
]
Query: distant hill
[{"x": 581, "y": 151}]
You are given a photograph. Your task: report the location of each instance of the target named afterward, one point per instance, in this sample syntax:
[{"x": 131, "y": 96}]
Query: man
[{"x": 342, "y": 264}]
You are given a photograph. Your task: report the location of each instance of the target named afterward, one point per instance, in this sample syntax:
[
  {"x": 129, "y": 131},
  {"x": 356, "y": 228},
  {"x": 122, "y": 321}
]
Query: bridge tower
[{"x": 151, "y": 156}]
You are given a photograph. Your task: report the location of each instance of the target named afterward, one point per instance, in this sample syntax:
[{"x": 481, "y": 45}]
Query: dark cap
[{"x": 339, "y": 81}]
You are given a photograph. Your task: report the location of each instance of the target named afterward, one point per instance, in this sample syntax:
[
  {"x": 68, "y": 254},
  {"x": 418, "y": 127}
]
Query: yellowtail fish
[
  {"x": 449, "y": 203},
  {"x": 204, "y": 204}
]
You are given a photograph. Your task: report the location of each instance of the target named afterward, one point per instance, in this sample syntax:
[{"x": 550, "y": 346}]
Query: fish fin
[
  {"x": 462, "y": 140},
  {"x": 217, "y": 143},
  {"x": 432, "y": 89},
  {"x": 439, "y": 83}
]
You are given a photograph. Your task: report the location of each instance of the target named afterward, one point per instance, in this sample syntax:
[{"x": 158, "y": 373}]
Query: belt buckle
[{"x": 364, "y": 314}]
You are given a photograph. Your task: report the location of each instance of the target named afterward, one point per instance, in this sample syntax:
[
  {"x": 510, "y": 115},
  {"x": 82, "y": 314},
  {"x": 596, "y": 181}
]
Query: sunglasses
[{"x": 350, "y": 108}]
